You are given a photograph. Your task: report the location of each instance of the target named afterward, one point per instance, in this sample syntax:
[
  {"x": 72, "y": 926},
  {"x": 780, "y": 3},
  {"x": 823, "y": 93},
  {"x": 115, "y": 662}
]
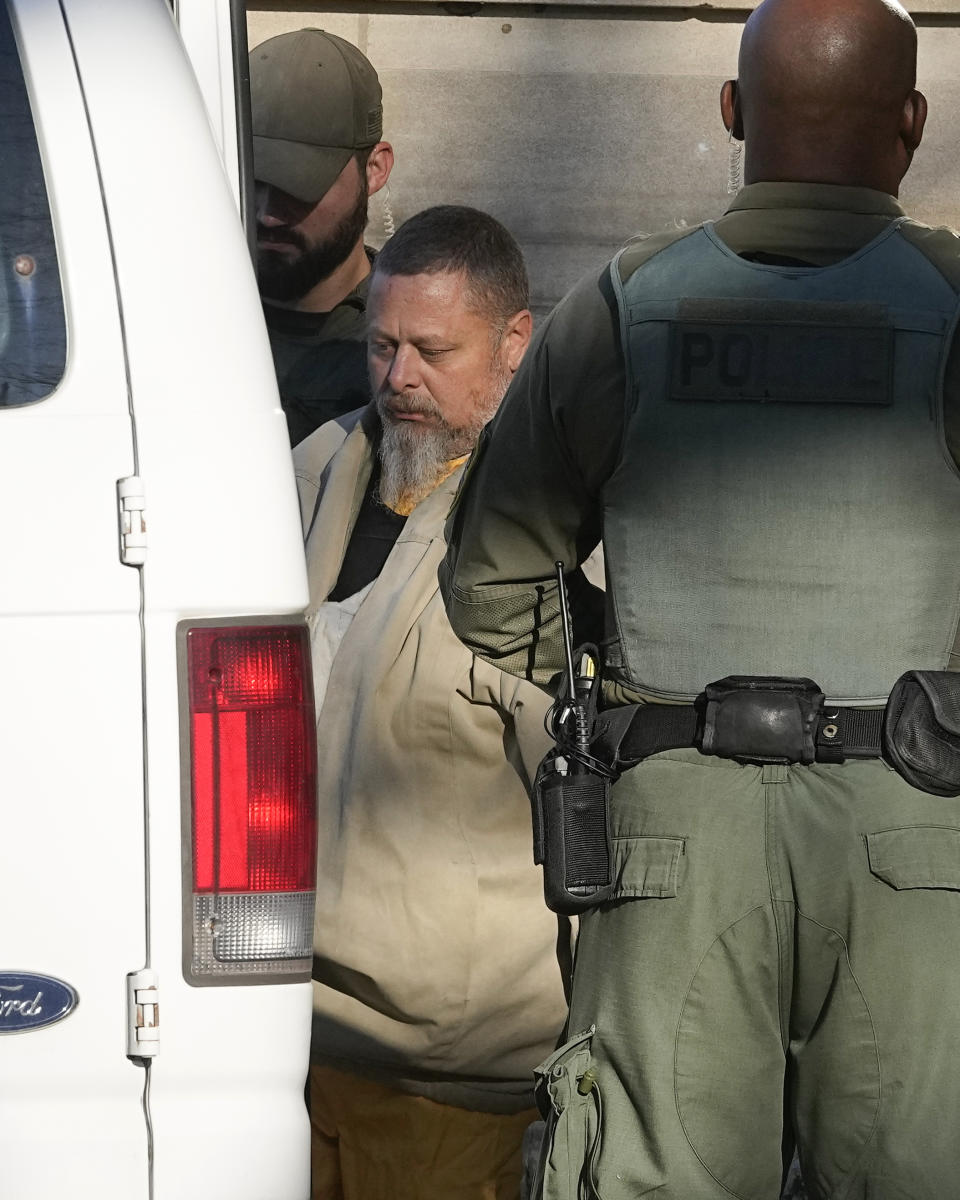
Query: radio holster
[
  {"x": 571, "y": 834},
  {"x": 571, "y": 799}
]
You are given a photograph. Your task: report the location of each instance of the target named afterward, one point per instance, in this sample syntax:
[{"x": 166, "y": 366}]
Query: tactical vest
[{"x": 784, "y": 503}]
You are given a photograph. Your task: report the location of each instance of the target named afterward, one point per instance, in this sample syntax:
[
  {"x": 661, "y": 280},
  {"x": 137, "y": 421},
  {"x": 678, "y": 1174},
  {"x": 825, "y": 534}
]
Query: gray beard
[{"x": 414, "y": 458}]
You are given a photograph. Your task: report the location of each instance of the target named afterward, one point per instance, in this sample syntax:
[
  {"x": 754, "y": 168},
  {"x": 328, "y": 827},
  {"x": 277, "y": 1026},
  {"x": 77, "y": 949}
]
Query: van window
[{"x": 33, "y": 339}]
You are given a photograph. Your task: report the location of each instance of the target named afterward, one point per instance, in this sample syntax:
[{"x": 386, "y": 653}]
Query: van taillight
[{"x": 253, "y": 836}]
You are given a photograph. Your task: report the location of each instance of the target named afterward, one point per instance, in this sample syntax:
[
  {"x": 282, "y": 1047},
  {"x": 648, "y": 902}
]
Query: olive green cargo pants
[{"x": 782, "y": 963}]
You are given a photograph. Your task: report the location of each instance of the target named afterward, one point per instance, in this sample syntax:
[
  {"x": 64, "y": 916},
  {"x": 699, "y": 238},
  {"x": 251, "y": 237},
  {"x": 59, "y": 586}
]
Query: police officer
[
  {"x": 760, "y": 417},
  {"x": 318, "y": 157}
]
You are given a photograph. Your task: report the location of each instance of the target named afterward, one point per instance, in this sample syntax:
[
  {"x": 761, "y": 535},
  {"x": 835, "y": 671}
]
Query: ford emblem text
[{"x": 29, "y": 1001}]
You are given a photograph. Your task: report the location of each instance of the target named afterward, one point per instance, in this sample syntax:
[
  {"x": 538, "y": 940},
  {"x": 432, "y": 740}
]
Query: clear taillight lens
[{"x": 253, "y": 835}]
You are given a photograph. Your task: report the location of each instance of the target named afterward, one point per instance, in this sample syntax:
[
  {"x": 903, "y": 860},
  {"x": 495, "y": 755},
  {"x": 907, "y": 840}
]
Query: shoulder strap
[{"x": 625, "y": 263}]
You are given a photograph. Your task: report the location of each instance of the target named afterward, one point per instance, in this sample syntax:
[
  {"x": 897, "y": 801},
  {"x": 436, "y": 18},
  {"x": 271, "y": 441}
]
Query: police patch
[{"x": 803, "y": 353}]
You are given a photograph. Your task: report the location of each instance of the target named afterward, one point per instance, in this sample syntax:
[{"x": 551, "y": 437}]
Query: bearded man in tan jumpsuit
[{"x": 436, "y": 986}]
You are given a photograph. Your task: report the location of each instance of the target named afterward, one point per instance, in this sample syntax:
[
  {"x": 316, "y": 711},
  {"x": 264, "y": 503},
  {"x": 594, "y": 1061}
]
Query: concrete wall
[{"x": 580, "y": 126}]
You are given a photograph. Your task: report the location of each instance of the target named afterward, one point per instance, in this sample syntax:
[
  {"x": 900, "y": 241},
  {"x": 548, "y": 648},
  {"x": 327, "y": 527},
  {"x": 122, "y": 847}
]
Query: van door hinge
[
  {"x": 133, "y": 521},
  {"x": 143, "y": 1014}
]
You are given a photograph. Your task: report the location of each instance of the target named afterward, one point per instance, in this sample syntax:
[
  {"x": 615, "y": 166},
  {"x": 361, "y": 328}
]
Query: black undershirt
[{"x": 371, "y": 541}]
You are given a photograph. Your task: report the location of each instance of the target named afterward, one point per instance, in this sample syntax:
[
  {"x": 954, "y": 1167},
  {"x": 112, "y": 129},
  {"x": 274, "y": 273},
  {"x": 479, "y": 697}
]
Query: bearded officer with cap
[{"x": 318, "y": 157}]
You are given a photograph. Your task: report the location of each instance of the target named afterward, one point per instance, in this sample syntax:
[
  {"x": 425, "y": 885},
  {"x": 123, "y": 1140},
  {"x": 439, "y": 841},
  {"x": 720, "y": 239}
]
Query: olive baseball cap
[{"x": 315, "y": 100}]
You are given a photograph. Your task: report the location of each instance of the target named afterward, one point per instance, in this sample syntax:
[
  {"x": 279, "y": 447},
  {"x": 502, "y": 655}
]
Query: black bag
[{"x": 921, "y": 731}]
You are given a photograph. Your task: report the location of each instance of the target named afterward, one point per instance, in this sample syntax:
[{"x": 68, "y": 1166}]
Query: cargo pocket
[
  {"x": 919, "y": 856},
  {"x": 569, "y": 1101},
  {"x": 646, "y": 866}
]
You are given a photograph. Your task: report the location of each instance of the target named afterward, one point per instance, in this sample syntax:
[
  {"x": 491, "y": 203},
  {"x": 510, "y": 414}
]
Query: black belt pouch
[{"x": 921, "y": 731}]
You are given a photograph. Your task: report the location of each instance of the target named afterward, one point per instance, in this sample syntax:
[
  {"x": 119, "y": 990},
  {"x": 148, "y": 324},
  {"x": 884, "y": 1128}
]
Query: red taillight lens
[
  {"x": 254, "y": 759},
  {"x": 253, "y": 792}
]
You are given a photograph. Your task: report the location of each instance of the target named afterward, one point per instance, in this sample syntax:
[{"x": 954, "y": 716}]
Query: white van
[{"x": 158, "y": 836}]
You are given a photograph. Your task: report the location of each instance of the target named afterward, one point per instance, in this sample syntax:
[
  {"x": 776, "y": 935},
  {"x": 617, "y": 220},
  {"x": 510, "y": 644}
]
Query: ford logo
[{"x": 29, "y": 1001}]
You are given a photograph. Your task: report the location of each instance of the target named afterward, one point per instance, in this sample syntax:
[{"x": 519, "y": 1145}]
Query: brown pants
[{"x": 370, "y": 1142}]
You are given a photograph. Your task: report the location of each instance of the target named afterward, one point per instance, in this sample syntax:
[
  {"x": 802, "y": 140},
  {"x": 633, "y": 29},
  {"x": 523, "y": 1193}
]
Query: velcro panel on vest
[{"x": 801, "y": 352}]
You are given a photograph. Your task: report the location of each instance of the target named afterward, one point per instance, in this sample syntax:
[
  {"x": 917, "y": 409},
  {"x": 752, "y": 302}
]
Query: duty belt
[{"x": 752, "y": 719}]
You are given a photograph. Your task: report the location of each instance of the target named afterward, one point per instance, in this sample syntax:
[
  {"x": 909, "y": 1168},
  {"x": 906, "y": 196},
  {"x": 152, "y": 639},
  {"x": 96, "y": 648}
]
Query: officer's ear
[
  {"x": 912, "y": 120},
  {"x": 730, "y": 109},
  {"x": 379, "y": 166}
]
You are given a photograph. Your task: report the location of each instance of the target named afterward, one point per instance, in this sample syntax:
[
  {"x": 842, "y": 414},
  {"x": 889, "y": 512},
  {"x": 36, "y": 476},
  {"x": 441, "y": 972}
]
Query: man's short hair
[{"x": 455, "y": 238}]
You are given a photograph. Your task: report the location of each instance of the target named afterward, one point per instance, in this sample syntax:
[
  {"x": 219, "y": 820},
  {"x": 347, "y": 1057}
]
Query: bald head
[{"x": 826, "y": 92}]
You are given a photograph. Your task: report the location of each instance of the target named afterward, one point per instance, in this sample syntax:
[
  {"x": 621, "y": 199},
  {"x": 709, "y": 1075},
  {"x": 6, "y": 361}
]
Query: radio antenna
[{"x": 567, "y": 636}]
